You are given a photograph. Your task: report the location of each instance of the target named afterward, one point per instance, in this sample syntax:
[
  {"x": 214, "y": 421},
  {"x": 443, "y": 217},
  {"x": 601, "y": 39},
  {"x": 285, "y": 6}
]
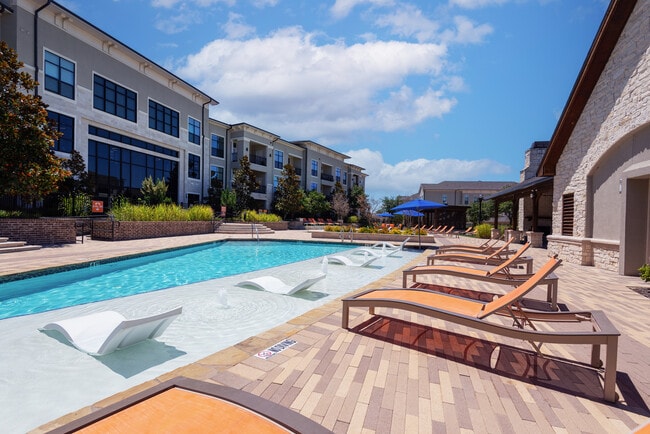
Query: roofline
[
  {"x": 199, "y": 91},
  {"x": 610, "y": 30},
  {"x": 4, "y": 8}
]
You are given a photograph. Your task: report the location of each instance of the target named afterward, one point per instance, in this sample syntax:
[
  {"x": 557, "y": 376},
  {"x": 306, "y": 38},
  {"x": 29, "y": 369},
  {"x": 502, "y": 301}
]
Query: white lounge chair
[
  {"x": 377, "y": 253},
  {"x": 104, "y": 332},
  {"x": 390, "y": 246},
  {"x": 338, "y": 259},
  {"x": 277, "y": 286}
]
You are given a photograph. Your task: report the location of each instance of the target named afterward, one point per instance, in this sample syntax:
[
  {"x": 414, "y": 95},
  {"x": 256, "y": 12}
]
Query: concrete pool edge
[{"x": 207, "y": 367}]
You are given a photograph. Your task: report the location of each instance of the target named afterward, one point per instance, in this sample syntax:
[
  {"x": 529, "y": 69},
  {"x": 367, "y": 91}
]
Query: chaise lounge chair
[
  {"x": 344, "y": 260},
  {"x": 487, "y": 247},
  {"x": 277, "y": 286},
  {"x": 104, "y": 332},
  {"x": 184, "y": 405},
  {"x": 499, "y": 274},
  {"x": 495, "y": 258},
  {"x": 385, "y": 245},
  {"x": 374, "y": 252},
  {"x": 475, "y": 314}
]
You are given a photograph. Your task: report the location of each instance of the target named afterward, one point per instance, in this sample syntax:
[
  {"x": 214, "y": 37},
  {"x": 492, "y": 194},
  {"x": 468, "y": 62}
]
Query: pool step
[
  {"x": 242, "y": 228},
  {"x": 15, "y": 246}
]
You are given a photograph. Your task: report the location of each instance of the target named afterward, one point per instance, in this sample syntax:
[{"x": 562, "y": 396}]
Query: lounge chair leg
[
  {"x": 346, "y": 315},
  {"x": 609, "y": 387},
  {"x": 596, "y": 361}
]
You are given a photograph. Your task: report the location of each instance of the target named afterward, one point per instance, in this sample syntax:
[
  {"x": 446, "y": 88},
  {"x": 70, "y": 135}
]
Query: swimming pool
[{"x": 151, "y": 273}]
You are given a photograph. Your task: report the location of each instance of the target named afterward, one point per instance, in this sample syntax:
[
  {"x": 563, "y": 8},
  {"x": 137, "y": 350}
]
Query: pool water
[{"x": 152, "y": 273}]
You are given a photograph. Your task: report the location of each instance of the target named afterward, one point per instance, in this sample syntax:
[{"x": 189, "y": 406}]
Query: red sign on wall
[{"x": 97, "y": 206}]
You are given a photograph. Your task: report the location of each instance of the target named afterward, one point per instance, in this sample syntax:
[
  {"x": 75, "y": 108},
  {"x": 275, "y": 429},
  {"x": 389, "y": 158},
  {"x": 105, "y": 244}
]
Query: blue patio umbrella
[
  {"x": 410, "y": 213},
  {"x": 384, "y": 214},
  {"x": 418, "y": 205}
]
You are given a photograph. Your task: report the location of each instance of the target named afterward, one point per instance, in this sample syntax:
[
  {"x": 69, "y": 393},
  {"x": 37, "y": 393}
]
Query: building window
[
  {"x": 193, "y": 166},
  {"x": 276, "y": 182},
  {"x": 466, "y": 199},
  {"x": 115, "y": 170},
  {"x": 567, "y": 214},
  {"x": 217, "y": 146},
  {"x": 444, "y": 199},
  {"x": 163, "y": 119},
  {"x": 193, "y": 131},
  {"x": 216, "y": 173},
  {"x": 345, "y": 178},
  {"x": 314, "y": 169},
  {"x": 114, "y": 99},
  {"x": 313, "y": 186},
  {"x": 278, "y": 159},
  {"x": 59, "y": 75},
  {"x": 338, "y": 174},
  {"x": 64, "y": 125}
]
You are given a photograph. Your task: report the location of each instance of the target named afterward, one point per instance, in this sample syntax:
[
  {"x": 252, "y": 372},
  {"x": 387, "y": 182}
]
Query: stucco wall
[{"x": 616, "y": 110}]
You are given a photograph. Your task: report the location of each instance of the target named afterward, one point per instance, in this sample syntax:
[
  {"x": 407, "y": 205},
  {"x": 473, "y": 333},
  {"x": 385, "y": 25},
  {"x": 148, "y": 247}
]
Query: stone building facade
[{"x": 600, "y": 151}]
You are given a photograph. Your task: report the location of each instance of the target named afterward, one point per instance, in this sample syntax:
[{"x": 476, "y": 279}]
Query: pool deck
[{"x": 399, "y": 376}]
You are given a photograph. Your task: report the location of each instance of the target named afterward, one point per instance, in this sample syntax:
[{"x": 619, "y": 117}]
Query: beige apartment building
[{"x": 131, "y": 118}]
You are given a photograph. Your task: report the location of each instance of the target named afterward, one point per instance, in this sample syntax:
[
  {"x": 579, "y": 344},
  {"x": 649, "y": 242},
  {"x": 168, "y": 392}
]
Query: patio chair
[
  {"x": 192, "y": 406},
  {"x": 494, "y": 258},
  {"x": 104, "y": 332},
  {"x": 375, "y": 252},
  {"x": 440, "y": 230},
  {"x": 344, "y": 260},
  {"x": 485, "y": 248},
  {"x": 449, "y": 231},
  {"x": 277, "y": 286},
  {"x": 385, "y": 245},
  {"x": 476, "y": 314},
  {"x": 499, "y": 274}
]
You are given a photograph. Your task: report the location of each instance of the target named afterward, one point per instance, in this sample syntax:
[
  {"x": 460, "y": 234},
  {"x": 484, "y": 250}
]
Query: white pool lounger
[
  {"x": 104, "y": 332},
  {"x": 277, "y": 286}
]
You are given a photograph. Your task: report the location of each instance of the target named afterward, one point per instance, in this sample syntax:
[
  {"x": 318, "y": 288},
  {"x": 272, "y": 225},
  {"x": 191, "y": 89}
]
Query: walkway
[{"x": 408, "y": 373}]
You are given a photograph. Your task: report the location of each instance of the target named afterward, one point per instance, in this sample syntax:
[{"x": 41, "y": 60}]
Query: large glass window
[
  {"x": 193, "y": 166},
  {"x": 112, "y": 98},
  {"x": 65, "y": 125},
  {"x": 314, "y": 168},
  {"x": 276, "y": 182},
  {"x": 444, "y": 199},
  {"x": 313, "y": 186},
  {"x": 217, "y": 146},
  {"x": 466, "y": 199},
  {"x": 59, "y": 75},
  {"x": 216, "y": 172},
  {"x": 114, "y": 170},
  {"x": 193, "y": 131},
  {"x": 345, "y": 178},
  {"x": 163, "y": 119},
  {"x": 338, "y": 174},
  {"x": 279, "y": 159}
]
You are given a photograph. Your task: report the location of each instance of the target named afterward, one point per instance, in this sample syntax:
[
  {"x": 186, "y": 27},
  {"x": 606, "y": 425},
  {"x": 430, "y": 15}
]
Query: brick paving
[{"x": 403, "y": 372}]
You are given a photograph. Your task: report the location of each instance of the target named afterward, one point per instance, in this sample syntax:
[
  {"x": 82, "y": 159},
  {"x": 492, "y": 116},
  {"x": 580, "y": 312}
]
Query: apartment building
[{"x": 130, "y": 118}]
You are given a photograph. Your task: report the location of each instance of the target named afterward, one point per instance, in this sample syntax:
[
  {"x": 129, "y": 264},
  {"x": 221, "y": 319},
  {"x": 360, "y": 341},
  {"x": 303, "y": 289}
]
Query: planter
[
  {"x": 40, "y": 231},
  {"x": 276, "y": 226},
  {"x": 117, "y": 231}
]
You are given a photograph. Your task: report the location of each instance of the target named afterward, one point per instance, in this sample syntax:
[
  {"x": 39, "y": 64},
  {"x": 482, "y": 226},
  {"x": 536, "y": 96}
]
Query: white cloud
[
  {"x": 405, "y": 177},
  {"x": 293, "y": 86},
  {"x": 467, "y": 32},
  {"x": 408, "y": 21},
  {"x": 235, "y": 28},
  {"x": 342, "y": 8},
  {"x": 264, "y": 3},
  {"x": 475, "y": 4}
]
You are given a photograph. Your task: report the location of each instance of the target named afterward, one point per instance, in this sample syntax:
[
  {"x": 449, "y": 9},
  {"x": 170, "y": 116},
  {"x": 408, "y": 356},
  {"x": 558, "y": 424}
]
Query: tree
[
  {"x": 486, "y": 210},
  {"x": 229, "y": 200},
  {"x": 388, "y": 203},
  {"x": 340, "y": 204},
  {"x": 72, "y": 197},
  {"x": 244, "y": 184},
  {"x": 289, "y": 196},
  {"x": 214, "y": 194},
  {"x": 154, "y": 193},
  {"x": 28, "y": 166},
  {"x": 365, "y": 210},
  {"x": 505, "y": 208},
  {"x": 315, "y": 204}
]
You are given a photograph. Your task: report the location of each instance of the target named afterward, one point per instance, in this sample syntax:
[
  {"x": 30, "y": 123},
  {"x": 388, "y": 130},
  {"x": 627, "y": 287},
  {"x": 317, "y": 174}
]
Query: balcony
[
  {"x": 327, "y": 177},
  {"x": 256, "y": 159},
  {"x": 235, "y": 156},
  {"x": 261, "y": 189}
]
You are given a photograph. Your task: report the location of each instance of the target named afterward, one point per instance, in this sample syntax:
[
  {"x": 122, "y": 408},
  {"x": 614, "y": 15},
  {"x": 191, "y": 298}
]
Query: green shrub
[
  {"x": 75, "y": 205},
  {"x": 484, "y": 230},
  {"x": 125, "y": 211},
  {"x": 644, "y": 272},
  {"x": 353, "y": 219},
  {"x": 252, "y": 216},
  {"x": 10, "y": 214}
]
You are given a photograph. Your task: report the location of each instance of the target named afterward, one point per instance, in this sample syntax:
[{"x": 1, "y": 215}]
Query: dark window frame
[
  {"x": 217, "y": 146},
  {"x": 193, "y": 166},
  {"x": 193, "y": 130},
  {"x": 114, "y": 99},
  {"x": 62, "y": 67},
  {"x": 163, "y": 119},
  {"x": 63, "y": 124}
]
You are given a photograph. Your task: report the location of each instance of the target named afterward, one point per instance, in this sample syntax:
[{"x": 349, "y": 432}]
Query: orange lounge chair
[
  {"x": 486, "y": 248},
  {"x": 441, "y": 230},
  {"x": 187, "y": 405},
  {"x": 449, "y": 231},
  {"x": 476, "y": 314},
  {"x": 498, "y": 274},
  {"x": 494, "y": 258}
]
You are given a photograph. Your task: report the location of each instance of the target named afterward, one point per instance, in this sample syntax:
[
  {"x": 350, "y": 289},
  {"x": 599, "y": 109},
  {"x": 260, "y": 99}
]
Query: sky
[{"x": 414, "y": 91}]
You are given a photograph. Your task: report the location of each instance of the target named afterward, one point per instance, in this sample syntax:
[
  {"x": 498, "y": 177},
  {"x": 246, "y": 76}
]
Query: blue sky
[{"x": 417, "y": 91}]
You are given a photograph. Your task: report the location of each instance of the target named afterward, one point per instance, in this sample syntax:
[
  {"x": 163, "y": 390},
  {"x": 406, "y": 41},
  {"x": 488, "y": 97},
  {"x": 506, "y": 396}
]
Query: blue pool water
[{"x": 152, "y": 273}]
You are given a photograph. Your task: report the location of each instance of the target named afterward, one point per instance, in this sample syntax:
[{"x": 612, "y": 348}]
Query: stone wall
[
  {"x": 616, "y": 108},
  {"x": 117, "y": 231},
  {"x": 39, "y": 231}
]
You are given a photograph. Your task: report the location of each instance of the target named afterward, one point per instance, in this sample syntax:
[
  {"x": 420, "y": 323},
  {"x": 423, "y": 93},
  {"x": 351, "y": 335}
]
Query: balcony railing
[
  {"x": 326, "y": 177},
  {"x": 255, "y": 159},
  {"x": 261, "y": 189}
]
